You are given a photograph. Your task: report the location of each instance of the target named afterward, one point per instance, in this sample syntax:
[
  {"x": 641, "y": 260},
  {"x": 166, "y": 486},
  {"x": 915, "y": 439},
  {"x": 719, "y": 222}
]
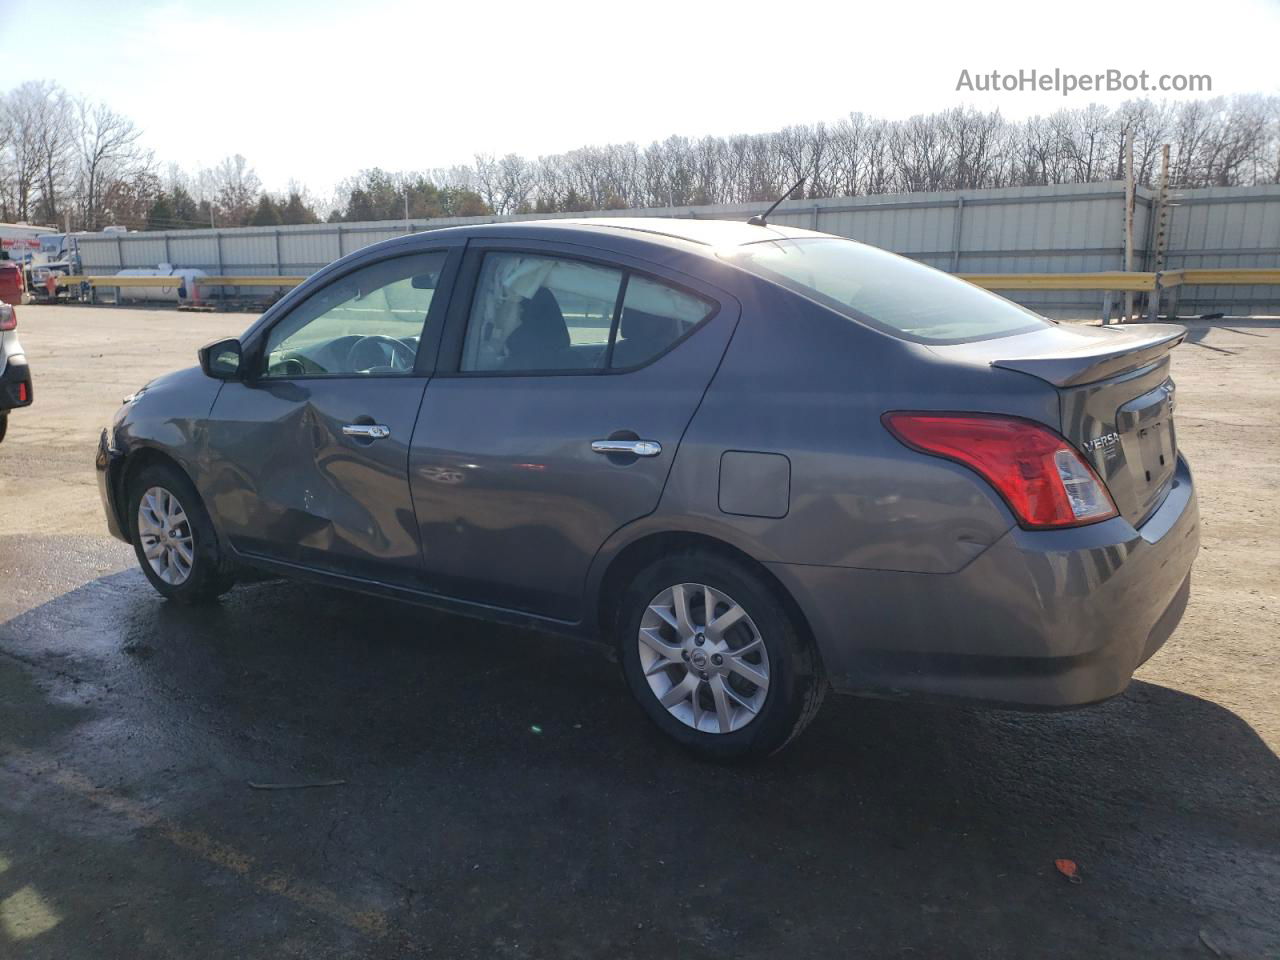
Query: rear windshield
[{"x": 886, "y": 291}]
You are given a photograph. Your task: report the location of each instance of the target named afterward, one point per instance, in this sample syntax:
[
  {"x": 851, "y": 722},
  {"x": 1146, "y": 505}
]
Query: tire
[
  {"x": 4, "y": 423},
  {"x": 743, "y": 719},
  {"x": 193, "y": 570}
]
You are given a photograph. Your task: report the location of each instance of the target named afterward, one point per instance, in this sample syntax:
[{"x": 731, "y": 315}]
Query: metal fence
[{"x": 1070, "y": 228}]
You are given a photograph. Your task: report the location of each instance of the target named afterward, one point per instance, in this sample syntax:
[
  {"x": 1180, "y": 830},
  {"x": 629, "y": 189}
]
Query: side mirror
[{"x": 221, "y": 359}]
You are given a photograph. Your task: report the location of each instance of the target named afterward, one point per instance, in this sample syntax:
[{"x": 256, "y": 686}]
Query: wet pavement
[{"x": 132, "y": 729}]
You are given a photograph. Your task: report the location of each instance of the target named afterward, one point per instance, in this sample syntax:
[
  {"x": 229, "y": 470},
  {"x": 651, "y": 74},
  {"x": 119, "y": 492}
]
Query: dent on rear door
[{"x": 513, "y": 504}]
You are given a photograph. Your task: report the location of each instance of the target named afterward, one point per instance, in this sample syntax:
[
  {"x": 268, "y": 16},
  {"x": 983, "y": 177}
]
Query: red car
[{"x": 12, "y": 282}]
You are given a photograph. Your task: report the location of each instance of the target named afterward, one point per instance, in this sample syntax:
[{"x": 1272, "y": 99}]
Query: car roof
[
  {"x": 670, "y": 231},
  {"x": 714, "y": 233}
]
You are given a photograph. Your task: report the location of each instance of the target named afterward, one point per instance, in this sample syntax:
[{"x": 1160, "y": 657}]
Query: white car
[{"x": 15, "y": 375}]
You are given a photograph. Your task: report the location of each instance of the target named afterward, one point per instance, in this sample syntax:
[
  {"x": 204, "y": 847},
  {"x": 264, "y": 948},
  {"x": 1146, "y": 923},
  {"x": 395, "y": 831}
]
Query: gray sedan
[{"x": 757, "y": 460}]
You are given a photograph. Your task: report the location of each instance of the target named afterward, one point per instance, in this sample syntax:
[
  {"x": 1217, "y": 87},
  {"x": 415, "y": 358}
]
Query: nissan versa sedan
[{"x": 759, "y": 461}]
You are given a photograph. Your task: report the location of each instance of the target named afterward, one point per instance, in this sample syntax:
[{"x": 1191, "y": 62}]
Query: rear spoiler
[{"x": 1103, "y": 352}]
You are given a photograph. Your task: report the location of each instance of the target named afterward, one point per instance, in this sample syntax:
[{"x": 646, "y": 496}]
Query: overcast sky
[{"x": 317, "y": 90}]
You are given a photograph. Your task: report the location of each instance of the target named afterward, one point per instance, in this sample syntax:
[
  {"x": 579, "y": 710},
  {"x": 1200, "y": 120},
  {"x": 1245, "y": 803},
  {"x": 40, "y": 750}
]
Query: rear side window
[
  {"x": 654, "y": 316},
  {"x": 533, "y": 313},
  {"x": 886, "y": 291}
]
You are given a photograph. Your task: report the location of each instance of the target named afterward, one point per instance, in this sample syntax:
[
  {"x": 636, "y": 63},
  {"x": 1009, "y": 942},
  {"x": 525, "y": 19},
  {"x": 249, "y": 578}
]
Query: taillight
[
  {"x": 1042, "y": 478},
  {"x": 8, "y": 317}
]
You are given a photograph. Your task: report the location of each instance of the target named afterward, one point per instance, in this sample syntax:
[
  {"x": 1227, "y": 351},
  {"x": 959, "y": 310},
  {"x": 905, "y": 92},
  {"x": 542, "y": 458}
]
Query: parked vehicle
[
  {"x": 12, "y": 282},
  {"x": 44, "y": 283},
  {"x": 21, "y": 242},
  {"x": 59, "y": 256},
  {"x": 758, "y": 460},
  {"x": 15, "y": 375}
]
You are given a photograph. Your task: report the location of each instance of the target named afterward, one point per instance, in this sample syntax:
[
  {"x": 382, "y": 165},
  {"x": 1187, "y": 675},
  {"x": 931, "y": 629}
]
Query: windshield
[{"x": 886, "y": 291}]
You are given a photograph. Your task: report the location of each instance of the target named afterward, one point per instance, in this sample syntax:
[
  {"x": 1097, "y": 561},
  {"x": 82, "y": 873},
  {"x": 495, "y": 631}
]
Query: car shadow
[
  {"x": 1199, "y": 328},
  {"x": 500, "y": 788}
]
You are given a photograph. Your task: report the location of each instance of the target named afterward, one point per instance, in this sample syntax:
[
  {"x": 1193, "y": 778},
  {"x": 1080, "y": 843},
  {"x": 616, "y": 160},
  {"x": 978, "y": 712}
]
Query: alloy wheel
[
  {"x": 704, "y": 658},
  {"x": 165, "y": 533}
]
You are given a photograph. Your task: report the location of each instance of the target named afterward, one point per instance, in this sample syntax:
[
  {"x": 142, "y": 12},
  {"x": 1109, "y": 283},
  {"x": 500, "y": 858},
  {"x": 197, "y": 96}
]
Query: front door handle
[
  {"x": 367, "y": 431},
  {"x": 636, "y": 448}
]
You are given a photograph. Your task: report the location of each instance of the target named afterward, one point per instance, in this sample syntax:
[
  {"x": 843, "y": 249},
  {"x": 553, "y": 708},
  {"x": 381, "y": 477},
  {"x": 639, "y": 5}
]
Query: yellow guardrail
[
  {"x": 115, "y": 280},
  {"x": 1121, "y": 281},
  {"x": 249, "y": 281},
  {"x": 1104, "y": 280},
  {"x": 1229, "y": 276}
]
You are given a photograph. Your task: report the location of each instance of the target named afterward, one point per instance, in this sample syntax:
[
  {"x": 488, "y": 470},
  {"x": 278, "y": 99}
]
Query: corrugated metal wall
[
  {"x": 1052, "y": 229},
  {"x": 1226, "y": 227}
]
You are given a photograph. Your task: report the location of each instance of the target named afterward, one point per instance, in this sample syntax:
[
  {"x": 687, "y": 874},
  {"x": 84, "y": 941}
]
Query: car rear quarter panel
[{"x": 802, "y": 382}]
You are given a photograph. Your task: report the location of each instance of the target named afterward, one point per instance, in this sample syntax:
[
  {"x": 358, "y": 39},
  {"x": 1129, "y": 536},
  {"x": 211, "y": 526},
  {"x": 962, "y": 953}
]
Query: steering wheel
[{"x": 379, "y": 350}]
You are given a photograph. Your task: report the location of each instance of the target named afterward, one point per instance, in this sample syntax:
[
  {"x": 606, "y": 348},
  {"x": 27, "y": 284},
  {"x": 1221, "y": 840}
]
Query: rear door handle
[
  {"x": 368, "y": 431},
  {"x": 636, "y": 448}
]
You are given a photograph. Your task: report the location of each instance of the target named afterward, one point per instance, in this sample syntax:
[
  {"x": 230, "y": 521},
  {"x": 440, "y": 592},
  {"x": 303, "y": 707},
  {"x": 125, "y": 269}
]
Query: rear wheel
[
  {"x": 173, "y": 538},
  {"x": 4, "y": 423},
  {"x": 715, "y": 658}
]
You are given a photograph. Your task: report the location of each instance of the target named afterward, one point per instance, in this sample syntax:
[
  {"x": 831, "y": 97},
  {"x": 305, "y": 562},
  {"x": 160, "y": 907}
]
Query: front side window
[
  {"x": 369, "y": 322},
  {"x": 886, "y": 291}
]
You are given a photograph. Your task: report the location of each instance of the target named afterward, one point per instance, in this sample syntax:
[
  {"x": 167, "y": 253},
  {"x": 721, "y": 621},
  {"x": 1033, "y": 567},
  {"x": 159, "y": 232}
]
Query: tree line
[
  {"x": 68, "y": 160},
  {"x": 1220, "y": 142}
]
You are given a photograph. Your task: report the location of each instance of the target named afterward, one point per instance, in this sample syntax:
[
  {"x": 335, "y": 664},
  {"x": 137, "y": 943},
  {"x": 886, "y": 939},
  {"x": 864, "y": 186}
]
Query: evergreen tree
[
  {"x": 186, "y": 212},
  {"x": 266, "y": 214},
  {"x": 295, "y": 210},
  {"x": 161, "y": 215}
]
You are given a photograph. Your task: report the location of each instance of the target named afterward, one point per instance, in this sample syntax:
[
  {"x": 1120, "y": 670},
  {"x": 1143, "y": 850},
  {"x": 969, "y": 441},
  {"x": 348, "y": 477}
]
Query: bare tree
[
  {"x": 25, "y": 112},
  {"x": 236, "y": 188},
  {"x": 107, "y": 152}
]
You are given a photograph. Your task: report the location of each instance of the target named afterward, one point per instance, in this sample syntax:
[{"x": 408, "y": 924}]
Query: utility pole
[
  {"x": 1162, "y": 212},
  {"x": 1129, "y": 198},
  {"x": 1160, "y": 240}
]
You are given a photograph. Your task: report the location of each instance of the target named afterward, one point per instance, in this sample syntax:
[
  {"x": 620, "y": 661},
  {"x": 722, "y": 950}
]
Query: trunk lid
[{"x": 1115, "y": 398}]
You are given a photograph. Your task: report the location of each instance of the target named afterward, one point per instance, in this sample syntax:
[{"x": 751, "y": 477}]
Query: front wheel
[
  {"x": 173, "y": 538},
  {"x": 715, "y": 658}
]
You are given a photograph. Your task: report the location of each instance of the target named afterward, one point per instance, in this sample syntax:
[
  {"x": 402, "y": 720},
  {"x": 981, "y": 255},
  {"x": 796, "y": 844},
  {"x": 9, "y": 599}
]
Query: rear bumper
[
  {"x": 107, "y": 463},
  {"x": 15, "y": 385},
  {"x": 1042, "y": 619}
]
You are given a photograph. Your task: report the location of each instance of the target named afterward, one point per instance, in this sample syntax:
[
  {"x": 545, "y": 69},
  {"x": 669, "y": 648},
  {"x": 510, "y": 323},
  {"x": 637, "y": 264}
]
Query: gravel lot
[{"x": 130, "y": 730}]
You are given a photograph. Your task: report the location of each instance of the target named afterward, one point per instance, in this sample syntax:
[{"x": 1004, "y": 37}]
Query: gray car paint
[
  {"x": 10, "y": 350},
  {"x": 512, "y": 503},
  {"x": 13, "y": 370},
  {"x": 909, "y": 570}
]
